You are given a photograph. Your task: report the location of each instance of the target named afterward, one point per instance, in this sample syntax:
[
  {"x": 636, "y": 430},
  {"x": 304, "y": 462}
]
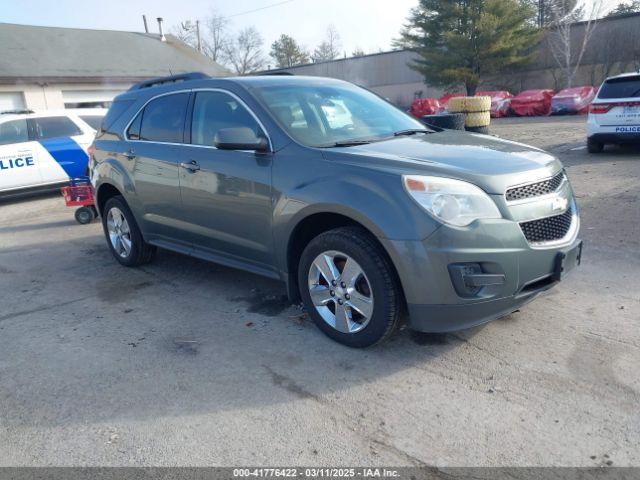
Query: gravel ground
[{"x": 188, "y": 363}]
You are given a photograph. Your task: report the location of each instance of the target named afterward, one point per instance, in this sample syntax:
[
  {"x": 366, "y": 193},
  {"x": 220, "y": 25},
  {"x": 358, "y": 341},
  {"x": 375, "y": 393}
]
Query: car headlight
[{"x": 451, "y": 201}]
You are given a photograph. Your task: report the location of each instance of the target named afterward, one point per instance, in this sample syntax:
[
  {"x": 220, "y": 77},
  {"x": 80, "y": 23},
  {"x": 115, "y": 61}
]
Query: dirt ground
[{"x": 183, "y": 362}]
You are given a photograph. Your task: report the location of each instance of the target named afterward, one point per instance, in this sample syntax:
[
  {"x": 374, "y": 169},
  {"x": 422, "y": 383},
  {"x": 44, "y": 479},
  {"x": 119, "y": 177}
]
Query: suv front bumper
[{"x": 460, "y": 278}]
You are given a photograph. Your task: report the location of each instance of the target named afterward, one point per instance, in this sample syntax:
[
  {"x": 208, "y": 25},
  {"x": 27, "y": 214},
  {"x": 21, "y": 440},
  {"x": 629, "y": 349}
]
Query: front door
[{"x": 226, "y": 194}]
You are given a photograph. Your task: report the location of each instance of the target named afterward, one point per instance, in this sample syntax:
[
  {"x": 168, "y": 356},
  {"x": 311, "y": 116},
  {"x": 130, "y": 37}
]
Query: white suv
[
  {"x": 614, "y": 115},
  {"x": 48, "y": 148}
]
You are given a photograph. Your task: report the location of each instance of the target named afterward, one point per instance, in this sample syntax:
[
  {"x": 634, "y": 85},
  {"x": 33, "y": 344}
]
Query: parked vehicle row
[
  {"x": 540, "y": 102},
  {"x": 363, "y": 212}
]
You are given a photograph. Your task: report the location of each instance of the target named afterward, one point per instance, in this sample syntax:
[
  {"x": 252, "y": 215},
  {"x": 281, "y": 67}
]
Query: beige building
[{"x": 53, "y": 68}]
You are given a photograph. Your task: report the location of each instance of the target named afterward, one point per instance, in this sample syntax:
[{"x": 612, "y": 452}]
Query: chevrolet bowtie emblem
[{"x": 559, "y": 204}]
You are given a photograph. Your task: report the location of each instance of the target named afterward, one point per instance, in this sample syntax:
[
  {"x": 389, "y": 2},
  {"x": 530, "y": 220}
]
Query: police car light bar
[{"x": 170, "y": 79}]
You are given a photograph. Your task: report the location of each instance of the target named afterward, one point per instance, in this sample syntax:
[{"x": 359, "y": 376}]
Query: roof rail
[
  {"x": 16, "y": 112},
  {"x": 170, "y": 79},
  {"x": 275, "y": 73}
]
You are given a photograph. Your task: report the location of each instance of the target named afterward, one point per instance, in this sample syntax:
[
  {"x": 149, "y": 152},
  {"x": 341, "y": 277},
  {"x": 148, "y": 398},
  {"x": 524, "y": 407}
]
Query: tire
[
  {"x": 456, "y": 105},
  {"x": 483, "y": 130},
  {"x": 84, "y": 215},
  {"x": 594, "y": 147},
  {"x": 469, "y": 104},
  {"x": 450, "y": 121},
  {"x": 371, "y": 297},
  {"x": 477, "y": 119},
  {"x": 139, "y": 252}
]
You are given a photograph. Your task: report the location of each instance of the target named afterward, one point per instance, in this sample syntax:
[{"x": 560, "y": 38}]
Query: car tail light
[
  {"x": 605, "y": 107},
  {"x": 600, "y": 107}
]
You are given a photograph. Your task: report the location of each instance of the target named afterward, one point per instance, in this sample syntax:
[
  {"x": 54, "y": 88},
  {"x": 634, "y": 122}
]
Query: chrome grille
[
  {"x": 548, "y": 229},
  {"x": 535, "y": 189}
]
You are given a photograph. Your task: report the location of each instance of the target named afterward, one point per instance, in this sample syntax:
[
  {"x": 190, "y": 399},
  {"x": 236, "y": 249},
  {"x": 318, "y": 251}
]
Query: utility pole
[{"x": 198, "y": 36}]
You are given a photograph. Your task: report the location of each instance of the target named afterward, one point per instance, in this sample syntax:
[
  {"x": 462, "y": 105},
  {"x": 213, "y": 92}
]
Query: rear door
[
  {"x": 18, "y": 165},
  {"x": 618, "y": 103},
  {"x": 61, "y": 148},
  {"x": 154, "y": 139}
]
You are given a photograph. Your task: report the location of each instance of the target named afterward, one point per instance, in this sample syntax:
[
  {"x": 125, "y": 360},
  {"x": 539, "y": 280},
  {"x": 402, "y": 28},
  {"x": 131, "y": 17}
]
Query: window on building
[
  {"x": 15, "y": 131},
  {"x": 163, "y": 119},
  {"x": 55, "y": 127}
]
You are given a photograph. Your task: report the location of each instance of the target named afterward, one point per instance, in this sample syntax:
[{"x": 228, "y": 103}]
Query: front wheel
[
  {"x": 349, "y": 287},
  {"x": 123, "y": 234}
]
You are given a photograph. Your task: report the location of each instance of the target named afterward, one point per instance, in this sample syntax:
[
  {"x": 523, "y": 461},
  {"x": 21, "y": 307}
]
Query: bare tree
[
  {"x": 244, "y": 52},
  {"x": 216, "y": 37},
  {"x": 329, "y": 49},
  {"x": 567, "y": 53},
  {"x": 186, "y": 32}
]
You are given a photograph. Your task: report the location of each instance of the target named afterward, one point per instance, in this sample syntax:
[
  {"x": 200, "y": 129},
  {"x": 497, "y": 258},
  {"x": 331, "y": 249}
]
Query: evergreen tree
[
  {"x": 287, "y": 52},
  {"x": 461, "y": 42}
]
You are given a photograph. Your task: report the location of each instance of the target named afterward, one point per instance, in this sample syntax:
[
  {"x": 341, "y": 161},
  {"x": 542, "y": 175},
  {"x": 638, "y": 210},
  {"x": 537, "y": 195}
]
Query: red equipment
[
  {"x": 424, "y": 106},
  {"x": 500, "y": 102},
  {"x": 532, "y": 103},
  {"x": 80, "y": 194},
  {"x": 444, "y": 100},
  {"x": 572, "y": 100}
]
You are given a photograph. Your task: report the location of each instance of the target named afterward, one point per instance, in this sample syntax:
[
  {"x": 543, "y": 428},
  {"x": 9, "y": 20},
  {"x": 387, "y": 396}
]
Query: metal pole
[
  {"x": 146, "y": 27},
  {"x": 198, "y": 35}
]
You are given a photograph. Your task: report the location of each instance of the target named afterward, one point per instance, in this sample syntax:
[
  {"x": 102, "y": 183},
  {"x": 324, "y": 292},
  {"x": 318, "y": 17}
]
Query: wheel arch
[
  {"x": 104, "y": 193},
  {"x": 312, "y": 225}
]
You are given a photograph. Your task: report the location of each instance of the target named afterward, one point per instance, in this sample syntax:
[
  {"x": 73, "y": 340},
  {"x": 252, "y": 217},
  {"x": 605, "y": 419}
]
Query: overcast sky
[{"x": 367, "y": 24}]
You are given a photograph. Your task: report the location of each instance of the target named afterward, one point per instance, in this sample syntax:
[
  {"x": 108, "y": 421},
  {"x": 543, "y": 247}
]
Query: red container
[
  {"x": 500, "y": 102},
  {"x": 424, "y": 106},
  {"x": 532, "y": 103},
  {"x": 77, "y": 195},
  {"x": 571, "y": 101}
]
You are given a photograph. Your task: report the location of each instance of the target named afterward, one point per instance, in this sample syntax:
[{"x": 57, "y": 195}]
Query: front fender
[{"x": 375, "y": 200}]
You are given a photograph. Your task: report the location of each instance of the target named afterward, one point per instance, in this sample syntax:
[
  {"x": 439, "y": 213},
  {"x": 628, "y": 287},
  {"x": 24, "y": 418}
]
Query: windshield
[{"x": 324, "y": 116}]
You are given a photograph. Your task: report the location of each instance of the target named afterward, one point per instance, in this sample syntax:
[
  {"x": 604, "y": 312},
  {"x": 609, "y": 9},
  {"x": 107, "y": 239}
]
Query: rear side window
[
  {"x": 93, "y": 121},
  {"x": 163, "y": 119},
  {"x": 55, "y": 127},
  {"x": 115, "y": 111},
  {"x": 620, "y": 88},
  {"x": 15, "y": 131}
]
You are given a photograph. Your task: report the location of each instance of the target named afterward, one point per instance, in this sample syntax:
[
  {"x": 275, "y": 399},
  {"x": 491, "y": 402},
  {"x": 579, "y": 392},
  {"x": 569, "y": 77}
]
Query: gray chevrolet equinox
[{"x": 368, "y": 216}]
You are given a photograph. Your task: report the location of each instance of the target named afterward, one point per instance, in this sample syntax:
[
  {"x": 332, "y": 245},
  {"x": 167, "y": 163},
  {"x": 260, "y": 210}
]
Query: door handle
[
  {"x": 130, "y": 155},
  {"x": 192, "y": 166}
]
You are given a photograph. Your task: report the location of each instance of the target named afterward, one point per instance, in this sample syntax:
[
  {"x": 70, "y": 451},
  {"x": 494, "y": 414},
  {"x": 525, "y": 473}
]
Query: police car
[
  {"x": 614, "y": 115},
  {"x": 45, "y": 149}
]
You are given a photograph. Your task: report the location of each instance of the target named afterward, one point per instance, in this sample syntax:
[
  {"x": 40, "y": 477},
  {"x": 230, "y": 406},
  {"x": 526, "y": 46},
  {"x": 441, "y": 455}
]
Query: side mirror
[{"x": 239, "y": 138}]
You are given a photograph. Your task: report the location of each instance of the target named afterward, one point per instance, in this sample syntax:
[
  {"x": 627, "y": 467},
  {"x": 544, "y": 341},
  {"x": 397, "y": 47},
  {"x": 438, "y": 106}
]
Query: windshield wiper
[
  {"x": 411, "y": 131},
  {"x": 348, "y": 143}
]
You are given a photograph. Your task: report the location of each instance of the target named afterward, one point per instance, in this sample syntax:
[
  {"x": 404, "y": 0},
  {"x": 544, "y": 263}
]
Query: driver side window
[{"x": 213, "y": 111}]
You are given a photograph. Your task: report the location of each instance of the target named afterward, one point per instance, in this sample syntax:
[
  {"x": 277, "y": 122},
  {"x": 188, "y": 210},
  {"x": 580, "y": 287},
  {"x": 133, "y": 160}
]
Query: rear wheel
[
  {"x": 123, "y": 235},
  {"x": 349, "y": 288},
  {"x": 594, "y": 147}
]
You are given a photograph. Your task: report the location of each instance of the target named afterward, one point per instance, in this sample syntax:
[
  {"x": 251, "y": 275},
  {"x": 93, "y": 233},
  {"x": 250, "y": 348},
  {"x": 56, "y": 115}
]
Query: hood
[{"x": 489, "y": 162}]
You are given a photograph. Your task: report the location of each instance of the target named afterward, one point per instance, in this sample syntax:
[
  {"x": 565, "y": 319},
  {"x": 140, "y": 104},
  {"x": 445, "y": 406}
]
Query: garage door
[
  {"x": 75, "y": 98},
  {"x": 11, "y": 101}
]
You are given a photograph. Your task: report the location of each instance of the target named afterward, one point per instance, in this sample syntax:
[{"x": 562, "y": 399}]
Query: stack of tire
[{"x": 476, "y": 110}]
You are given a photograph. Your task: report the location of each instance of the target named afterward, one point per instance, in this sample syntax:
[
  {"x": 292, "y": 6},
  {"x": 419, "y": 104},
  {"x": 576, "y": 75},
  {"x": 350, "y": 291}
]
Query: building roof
[{"x": 73, "y": 55}]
